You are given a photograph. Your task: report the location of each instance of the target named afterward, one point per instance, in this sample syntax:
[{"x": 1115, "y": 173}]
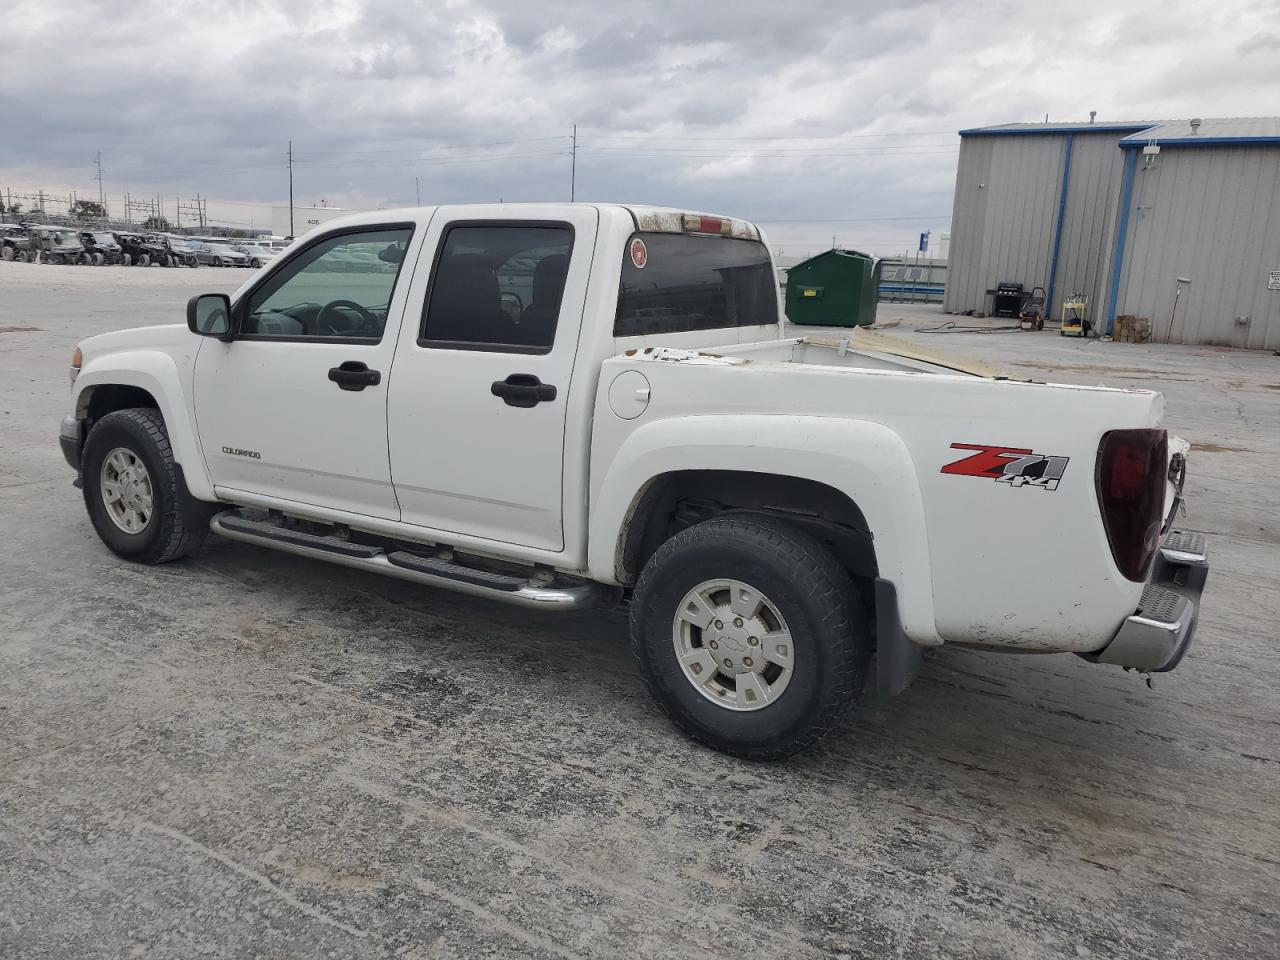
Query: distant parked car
[
  {"x": 217, "y": 254},
  {"x": 14, "y": 244},
  {"x": 255, "y": 254}
]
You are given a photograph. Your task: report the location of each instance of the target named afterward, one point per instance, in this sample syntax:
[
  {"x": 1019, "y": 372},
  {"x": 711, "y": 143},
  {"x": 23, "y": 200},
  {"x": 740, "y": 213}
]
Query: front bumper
[
  {"x": 71, "y": 439},
  {"x": 1156, "y": 637}
]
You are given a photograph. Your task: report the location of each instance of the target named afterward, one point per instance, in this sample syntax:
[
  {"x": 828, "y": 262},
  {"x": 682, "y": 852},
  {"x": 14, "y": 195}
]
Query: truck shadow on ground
[{"x": 972, "y": 721}]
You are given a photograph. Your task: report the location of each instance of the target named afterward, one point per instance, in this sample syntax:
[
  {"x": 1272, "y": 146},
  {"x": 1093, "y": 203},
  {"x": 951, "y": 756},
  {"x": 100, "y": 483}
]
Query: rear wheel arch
[{"x": 674, "y": 501}]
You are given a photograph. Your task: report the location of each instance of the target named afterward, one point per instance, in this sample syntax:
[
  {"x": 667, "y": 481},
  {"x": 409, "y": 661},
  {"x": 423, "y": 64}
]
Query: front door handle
[
  {"x": 354, "y": 375},
  {"x": 522, "y": 390}
]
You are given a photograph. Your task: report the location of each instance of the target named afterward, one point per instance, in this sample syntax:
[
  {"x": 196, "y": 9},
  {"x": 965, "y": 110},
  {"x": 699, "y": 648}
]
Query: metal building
[{"x": 1119, "y": 212}]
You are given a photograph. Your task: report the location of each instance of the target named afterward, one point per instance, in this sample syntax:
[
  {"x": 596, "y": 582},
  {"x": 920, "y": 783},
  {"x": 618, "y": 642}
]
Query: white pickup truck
[{"x": 558, "y": 404}]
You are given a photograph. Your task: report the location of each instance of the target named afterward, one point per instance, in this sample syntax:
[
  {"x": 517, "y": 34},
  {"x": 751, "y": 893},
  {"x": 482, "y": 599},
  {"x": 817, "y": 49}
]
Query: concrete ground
[{"x": 253, "y": 755}]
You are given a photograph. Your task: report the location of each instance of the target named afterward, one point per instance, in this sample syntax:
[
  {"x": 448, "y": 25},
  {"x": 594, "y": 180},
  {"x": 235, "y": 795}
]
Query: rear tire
[
  {"x": 7, "y": 253},
  {"x": 807, "y": 599},
  {"x": 175, "y": 523},
  {"x": 144, "y": 259}
]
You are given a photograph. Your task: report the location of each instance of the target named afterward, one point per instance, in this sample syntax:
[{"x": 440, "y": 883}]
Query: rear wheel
[
  {"x": 23, "y": 256},
  {"x": 7, "y": 253},
  {"x": 134, "y": 492},
  {"x": 126, "y": 259},
  {"x": 144, "y": 260},
  {"x": 750, "y": 635}
]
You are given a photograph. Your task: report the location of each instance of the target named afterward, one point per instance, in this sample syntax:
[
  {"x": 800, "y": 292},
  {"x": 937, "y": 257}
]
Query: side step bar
[{"x": 428, "y": 571}]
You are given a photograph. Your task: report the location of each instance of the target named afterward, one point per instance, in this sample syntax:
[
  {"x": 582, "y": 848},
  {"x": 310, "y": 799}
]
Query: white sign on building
[{"x": 305, "y": 219}]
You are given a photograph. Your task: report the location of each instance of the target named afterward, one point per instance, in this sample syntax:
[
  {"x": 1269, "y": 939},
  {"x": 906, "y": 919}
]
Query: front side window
[
  {"x": 339, "y": 288},
  {"x": 675, "y": 282},
  {"x": 498, "y": 287}
]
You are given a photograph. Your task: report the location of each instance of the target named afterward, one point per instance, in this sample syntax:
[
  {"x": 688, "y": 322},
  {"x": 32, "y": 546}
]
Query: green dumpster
[{"x": 838, "y": 288}]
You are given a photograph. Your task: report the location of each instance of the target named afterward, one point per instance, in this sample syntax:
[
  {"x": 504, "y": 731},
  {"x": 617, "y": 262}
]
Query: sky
[{"x": 818, "y": 120}]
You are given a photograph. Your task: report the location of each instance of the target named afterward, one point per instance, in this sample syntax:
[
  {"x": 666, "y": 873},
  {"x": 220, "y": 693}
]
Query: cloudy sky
[{"x": 819, "y": 119}]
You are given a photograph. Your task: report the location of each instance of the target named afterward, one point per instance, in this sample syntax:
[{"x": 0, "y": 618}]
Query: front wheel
[
  {"x": 144, "y": 259},
  {"x": 134, "y": 492},
  {"x": 750, "y": 635}
]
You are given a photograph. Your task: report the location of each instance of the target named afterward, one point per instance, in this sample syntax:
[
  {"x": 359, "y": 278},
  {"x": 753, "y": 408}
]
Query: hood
[{"x": 165, "y": 335}]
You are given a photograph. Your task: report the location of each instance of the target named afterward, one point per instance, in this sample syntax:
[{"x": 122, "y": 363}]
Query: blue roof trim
[
  {"x": 1133, "y": 143},
  {"x": 1027, "y": 131}
]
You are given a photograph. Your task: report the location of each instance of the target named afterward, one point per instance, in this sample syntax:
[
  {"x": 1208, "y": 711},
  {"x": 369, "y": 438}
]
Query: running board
[{"x": 428, "y": 571}]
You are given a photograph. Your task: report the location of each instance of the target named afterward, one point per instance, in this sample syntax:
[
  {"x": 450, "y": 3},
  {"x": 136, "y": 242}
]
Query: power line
[
  {"x": 460, "y": 146},
  {"x": 430, "y": 161},
  {"x": 785, "y": 136},
  {"x": 672, "y": 155}
]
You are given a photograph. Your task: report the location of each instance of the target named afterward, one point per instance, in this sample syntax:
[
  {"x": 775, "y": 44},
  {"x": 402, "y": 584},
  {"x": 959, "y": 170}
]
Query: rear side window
[
  {"x": 692, "y": 282},
  {"x": 498, "y": 287}
]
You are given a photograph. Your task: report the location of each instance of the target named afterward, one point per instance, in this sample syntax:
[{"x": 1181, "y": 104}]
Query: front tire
[
  {"x": 750, "y": 635},
  {"x": 134, "y": 492}
]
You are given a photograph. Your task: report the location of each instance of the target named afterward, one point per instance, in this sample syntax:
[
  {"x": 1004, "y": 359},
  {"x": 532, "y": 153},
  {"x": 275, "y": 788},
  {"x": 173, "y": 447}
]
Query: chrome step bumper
[
  {"x": 428, "y": 571},
  {"x": 1156, "y": 637}
]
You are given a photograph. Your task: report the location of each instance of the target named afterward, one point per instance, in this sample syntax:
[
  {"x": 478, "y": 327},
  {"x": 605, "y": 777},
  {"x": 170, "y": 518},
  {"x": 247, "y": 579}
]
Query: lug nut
[
  {"x": 728, "y": 663},
  {"x": 719, "y": 624},
  {"x": 737, "y": 621},
  {"x": 754, "y": 641},
  {"x": 746, "y": 662},
  {"x": 713, "y": 645}
]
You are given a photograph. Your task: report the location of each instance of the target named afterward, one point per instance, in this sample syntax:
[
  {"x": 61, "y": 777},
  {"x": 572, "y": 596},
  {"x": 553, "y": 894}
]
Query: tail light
[{"x": 1131, "y": 472}]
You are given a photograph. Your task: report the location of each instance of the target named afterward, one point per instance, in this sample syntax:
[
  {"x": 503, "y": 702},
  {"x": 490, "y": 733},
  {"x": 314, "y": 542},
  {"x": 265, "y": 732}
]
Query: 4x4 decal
[{"x": 1016, "y": 466}]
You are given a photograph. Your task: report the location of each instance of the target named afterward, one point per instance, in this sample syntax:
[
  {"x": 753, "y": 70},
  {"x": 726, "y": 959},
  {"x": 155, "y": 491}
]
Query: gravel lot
[{"x": 254, "y": 755}]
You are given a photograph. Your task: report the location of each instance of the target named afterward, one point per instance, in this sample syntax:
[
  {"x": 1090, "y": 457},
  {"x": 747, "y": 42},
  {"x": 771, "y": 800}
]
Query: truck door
[
  {"x": 478, "y": 399},
  {"x": 295, "y": 406}
]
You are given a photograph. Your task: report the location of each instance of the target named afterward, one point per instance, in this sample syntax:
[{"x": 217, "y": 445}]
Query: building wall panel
[{"x": 1210, "y": 214}]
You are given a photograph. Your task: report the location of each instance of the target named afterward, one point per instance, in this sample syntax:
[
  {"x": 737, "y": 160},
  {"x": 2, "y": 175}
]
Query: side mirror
[
  {"x": 392, "y": 253},
  {"x": 209, "y": 315}
]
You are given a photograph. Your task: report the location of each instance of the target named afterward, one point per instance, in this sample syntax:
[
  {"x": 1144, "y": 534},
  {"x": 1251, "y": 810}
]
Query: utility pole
[
  {"x": 573, "y": 166},
  {"x": 291, "y": 233},
  {"x": 417, "y": 192},
  {"x": 102, "y": 201}
]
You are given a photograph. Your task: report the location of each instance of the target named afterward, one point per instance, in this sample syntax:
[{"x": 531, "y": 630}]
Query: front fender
[
  {"x": 157, "y": 373},
  {"x": 866, "y": 461}
]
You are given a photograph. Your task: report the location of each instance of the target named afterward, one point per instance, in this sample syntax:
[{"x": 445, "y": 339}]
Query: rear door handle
[
  {"x": 354, "y": 375},
  {"x": 522, "y": 390}
]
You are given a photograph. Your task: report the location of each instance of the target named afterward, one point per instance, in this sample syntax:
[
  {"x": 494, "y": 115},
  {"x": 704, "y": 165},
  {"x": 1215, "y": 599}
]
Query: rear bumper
[
  {"x": 1158, "y": 634},
  {"x": 70, "y": 439}
]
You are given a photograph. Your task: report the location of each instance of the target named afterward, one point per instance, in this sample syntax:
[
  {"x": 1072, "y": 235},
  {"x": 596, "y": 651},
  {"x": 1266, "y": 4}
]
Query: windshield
[{"x": 673, "y": 282}]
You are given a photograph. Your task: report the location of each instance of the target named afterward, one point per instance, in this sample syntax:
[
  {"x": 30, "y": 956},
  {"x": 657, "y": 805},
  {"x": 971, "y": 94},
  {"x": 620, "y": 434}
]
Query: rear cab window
[{"x": 674, "y": 282}]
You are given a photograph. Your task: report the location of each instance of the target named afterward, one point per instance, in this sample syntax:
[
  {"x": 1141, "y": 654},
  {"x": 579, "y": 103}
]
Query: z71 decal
[{"x": 1015, "y": 466}]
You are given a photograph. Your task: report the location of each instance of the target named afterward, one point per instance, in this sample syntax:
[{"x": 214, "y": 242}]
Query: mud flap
[{"x": 897, "y": 658}]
